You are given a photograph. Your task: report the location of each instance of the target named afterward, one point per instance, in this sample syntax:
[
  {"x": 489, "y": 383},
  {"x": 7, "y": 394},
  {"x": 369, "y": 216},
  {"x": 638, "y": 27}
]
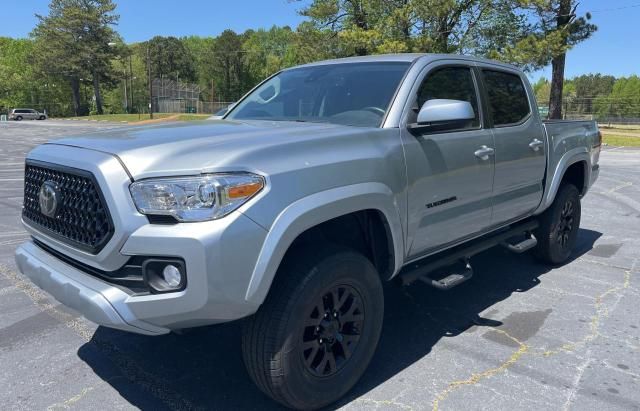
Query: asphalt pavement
[{"x": 519, "y": 335}]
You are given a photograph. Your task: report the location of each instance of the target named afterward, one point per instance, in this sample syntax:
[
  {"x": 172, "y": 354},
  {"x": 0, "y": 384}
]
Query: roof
[{"x": 403, "y": 57}]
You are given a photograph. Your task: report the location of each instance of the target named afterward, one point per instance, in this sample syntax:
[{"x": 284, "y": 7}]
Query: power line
[{"x": 615, "y": 8}]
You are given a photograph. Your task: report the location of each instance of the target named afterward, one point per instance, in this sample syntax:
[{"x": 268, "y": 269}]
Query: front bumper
[
  {"x": 96, "y": 300},
  {"x": 219, "y": 255}
]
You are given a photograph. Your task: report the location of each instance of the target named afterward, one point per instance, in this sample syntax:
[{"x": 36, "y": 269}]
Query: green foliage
[
  {"x": 201, "y": 50},
  {"x": 16, "y": 72},
  {"x": 623, "y": 101},
  {"x": 433, "y": 26},
  {"x": 229, "y": 66},
  {"x": 545, "y": 33},
  {"x": 70, "y": 48},
  {"x": 170, "y": 58},
  {"x": 542, "y": 88},
  {"x": 72, "y": 43},
  {"x": 268, "y": 51}
]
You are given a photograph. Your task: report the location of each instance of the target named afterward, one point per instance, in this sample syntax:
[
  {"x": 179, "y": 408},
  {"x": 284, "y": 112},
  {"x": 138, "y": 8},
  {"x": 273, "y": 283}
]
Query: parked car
[
  {"x": 323, "y": 182},
  {"x": 19, "y": 114}
]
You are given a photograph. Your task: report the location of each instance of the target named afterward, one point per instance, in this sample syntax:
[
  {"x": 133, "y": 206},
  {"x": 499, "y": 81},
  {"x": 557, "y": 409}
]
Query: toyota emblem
[{"x": 48, "y": 198}]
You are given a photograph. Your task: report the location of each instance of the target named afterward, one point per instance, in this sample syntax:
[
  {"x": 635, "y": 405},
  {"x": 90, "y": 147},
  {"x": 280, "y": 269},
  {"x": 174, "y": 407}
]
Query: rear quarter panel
[{"x": 568, "y": 142}]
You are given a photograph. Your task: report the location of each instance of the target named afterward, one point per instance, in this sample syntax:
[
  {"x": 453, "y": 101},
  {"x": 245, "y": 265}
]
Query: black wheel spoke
[
  {"x": 343, "y": 299},
  {"x": 337, "y": 320},
  {"x": 332, "y": 362},
  {"x": 345, "y": 349},
  {"x": 312, "y": 355}
]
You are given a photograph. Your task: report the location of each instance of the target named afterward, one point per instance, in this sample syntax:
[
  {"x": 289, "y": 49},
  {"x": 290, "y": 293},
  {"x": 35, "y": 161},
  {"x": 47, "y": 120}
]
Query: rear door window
[{"x": 508, "y": 101}]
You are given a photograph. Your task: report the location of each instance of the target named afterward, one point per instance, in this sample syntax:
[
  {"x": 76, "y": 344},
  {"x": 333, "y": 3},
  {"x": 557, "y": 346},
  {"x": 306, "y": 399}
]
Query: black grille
[{"x": 81, "y": 218}]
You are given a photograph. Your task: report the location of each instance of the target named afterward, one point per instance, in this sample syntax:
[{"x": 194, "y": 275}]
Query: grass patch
[
  {"x": 621, "y": 127},
  {"x": 193, "y": 117},
  {"x": 621, "y": 140},
  {"x": 130, "y": 118},
  {"x": 134, "y": 118}
]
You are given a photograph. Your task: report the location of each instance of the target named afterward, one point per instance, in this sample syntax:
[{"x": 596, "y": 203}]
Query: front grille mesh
[{"x": 81, "y": 219}]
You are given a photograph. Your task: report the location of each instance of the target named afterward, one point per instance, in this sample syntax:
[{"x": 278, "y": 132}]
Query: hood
[{"x": 192, "y": 148}]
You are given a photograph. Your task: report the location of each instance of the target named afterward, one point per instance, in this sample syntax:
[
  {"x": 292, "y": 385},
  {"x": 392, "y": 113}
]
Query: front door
[
  {"x": 519, "y": 146},
  {"x": 450, "y": 173}
]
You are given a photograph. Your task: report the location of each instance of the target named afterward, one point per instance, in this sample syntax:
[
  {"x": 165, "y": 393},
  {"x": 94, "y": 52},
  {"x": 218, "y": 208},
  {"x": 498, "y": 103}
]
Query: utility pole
[
  {"x": 126, "y": 100},
  {"x": 150, "y": 83},
  {"x": 130, "y": 82}
]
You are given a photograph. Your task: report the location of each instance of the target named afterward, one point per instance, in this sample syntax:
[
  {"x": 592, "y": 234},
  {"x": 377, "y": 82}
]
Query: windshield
[{"x": 354, "y": 94}]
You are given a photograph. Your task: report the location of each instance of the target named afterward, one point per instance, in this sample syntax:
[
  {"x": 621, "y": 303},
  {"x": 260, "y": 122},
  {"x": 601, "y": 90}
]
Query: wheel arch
[
  {"x": 574, "y": 166},
  {"x": 370, "y": 206}
]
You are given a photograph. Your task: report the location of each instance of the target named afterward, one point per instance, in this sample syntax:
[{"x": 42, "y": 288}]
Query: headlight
[{"x": 200, "y": 198}]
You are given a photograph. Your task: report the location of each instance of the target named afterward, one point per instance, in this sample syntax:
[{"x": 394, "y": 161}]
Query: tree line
[
  {"x": 602, "y": 96},
  {"x": 75, "y": 62}
]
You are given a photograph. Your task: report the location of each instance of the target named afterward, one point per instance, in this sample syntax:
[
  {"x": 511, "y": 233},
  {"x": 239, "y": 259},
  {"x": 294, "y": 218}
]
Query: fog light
[
  {"x": 172, "y": 275},
  {"x": 164, "y": 275}
]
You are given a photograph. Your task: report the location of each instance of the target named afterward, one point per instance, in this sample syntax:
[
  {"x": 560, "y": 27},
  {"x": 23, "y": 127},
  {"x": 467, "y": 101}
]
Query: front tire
[
  {"x": 318, "y": 329},
  {"x": 19, "y": 118},
  {"x": 559, "y": 226}
]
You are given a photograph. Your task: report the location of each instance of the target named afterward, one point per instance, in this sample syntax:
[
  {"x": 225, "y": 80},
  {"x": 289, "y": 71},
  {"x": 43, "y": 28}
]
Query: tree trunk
[
  {"x": 360, "y": 20},
  {"x": 557, "y": 84},
  {"x": 96, "y": 92},
  {"x": 557, "y": 63},
  {"x": 75, "y": 90}
]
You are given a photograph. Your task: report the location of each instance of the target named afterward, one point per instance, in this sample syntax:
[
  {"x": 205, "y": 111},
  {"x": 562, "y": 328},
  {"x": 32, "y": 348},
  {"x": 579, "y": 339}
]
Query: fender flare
[
  {"x": 555, "y": 176},
  {"x": 315, "y": 209}
]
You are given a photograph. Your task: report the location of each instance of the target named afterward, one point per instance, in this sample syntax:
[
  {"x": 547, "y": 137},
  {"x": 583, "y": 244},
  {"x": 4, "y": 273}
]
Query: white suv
[{"x": 19, "y": 114}]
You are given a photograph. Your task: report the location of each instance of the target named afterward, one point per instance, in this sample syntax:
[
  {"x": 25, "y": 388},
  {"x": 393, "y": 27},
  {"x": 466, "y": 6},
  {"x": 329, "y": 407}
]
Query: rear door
[
  {"x": 520, "y": 159},
  {"x": 449, "y": 186}
]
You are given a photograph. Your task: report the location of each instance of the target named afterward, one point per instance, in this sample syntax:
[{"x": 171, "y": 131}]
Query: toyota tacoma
[{"x": 320, "y": 184}]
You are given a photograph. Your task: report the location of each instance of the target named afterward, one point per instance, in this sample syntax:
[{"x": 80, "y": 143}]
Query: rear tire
[
  {"x": 317, "y": 330},
  {"x": 559, "y": 226}
]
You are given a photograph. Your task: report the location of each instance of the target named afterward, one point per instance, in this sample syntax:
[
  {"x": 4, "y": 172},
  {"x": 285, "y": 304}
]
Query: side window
[
  {"x": 454, "y": 83},
  {"x": 508, "y": 102}
]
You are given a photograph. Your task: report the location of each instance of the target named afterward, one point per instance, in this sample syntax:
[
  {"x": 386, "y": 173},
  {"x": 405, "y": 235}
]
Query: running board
[
  {"x": 522, "y": 246},
  {"x": 426, "y": 266}
]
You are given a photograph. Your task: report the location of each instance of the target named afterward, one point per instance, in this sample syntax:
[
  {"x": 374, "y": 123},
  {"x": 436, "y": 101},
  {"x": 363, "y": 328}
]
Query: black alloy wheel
[
  {"x": 559, "y": 224},
  {"x": 332, "y": 330}
]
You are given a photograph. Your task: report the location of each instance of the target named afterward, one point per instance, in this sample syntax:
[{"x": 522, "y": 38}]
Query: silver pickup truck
[{"x": 320, "y": 184}]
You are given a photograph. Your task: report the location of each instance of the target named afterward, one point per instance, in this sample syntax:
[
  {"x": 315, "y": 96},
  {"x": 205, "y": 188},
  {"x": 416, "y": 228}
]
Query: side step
[
  {"x": 422, "y": 269},
  {"x": 522, "y": 246},
  {"x": 455, "y": 278}
]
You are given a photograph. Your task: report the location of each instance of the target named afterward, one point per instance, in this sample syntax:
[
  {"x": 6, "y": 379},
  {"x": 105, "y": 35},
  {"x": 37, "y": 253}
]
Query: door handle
[
  {"x": 536, "y": 144},
  {"x": 484, "y": 152}
]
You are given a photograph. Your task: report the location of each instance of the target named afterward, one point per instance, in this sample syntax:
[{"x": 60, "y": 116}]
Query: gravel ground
[{"x": 518, "y": 335}]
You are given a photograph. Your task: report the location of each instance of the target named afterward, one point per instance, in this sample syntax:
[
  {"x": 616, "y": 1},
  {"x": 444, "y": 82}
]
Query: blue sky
[{"x": 613, "y": 49}]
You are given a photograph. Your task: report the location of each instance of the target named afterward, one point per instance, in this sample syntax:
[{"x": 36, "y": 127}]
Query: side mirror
[{"x": 443, "y": 114}]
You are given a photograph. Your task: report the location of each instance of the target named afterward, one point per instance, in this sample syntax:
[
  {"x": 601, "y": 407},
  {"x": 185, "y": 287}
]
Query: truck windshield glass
[{"x": 354, "y": 94}]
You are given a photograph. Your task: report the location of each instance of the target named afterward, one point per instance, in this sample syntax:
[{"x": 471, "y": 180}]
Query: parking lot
[{"x": 519, "y": 335}]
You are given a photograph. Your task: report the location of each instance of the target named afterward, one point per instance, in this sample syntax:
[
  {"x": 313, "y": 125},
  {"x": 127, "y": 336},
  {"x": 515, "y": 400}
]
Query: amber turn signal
[{"x": 245, "y": 190}]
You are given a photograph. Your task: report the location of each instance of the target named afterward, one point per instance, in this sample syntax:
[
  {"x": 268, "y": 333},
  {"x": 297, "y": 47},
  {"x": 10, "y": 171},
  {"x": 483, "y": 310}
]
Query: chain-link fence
[
  {"x": 174, "y": 96},
  {"x": 602, "y": 109}
]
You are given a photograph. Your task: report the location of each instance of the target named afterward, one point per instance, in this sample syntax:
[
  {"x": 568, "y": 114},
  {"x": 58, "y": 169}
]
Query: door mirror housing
[{"x": 442, "y": 115}]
